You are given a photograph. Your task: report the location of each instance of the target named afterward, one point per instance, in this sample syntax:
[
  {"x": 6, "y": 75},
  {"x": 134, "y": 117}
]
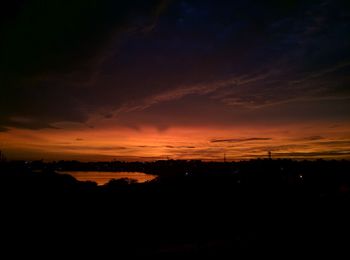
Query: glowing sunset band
[{"x": 207, "y": 143}]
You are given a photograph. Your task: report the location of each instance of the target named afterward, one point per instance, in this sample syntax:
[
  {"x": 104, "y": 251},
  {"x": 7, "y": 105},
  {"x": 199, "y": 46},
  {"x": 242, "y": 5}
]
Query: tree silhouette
[{"x": 2, "y": 156}]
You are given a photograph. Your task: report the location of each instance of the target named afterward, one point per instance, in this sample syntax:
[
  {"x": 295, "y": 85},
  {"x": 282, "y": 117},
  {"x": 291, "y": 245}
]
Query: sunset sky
[{"x": 184, "y": 79}]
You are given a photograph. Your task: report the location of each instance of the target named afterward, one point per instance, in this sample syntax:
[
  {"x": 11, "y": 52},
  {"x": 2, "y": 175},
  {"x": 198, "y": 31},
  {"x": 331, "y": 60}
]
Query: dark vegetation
[{"x": 259, "y": 207}]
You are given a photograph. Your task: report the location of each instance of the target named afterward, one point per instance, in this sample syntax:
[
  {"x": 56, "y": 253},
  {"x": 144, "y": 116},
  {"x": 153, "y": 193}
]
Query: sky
[{"x": 183, "y": 79}]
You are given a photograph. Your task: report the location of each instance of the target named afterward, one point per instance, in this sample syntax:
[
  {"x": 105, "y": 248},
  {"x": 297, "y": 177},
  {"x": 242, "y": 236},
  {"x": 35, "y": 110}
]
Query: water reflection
[{"x": 102, "y": 178}]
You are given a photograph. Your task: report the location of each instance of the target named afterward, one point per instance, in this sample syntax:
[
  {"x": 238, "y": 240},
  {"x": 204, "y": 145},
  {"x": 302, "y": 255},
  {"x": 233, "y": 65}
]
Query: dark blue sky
[{"x": 174, "y": 63}]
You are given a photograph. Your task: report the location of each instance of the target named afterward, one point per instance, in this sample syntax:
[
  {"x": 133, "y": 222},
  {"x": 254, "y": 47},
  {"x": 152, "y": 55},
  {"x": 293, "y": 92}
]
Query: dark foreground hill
[{"x": 262, "y": 207}]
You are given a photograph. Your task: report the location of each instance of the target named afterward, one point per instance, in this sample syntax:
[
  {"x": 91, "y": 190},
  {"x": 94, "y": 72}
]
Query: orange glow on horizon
[{"x": 206, "y": 143}]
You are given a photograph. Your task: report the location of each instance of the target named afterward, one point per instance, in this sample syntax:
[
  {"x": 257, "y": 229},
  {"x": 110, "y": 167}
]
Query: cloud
[
  {"x": 179, "y": 147},
  {"x": 177, "y": 93},
  {"x": 313, "y": 138},
  {"x": 238, "y": 140},
  {"x": 33, "y": 124},
  {"x": 271, "y": 87},
  {"x": 164, "y": 63},
  {"x": 216, "y": 89},
  {"x": 283, "y": 147},
  {"x": 210, "y": 153},
  {"x": 51, "y": 53},
  {"x": 81, "y": 148},
  {"x": 344, "y": 143},
  {"x": 322, "y": 72},
  {"x": 313, "y": 154}
]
